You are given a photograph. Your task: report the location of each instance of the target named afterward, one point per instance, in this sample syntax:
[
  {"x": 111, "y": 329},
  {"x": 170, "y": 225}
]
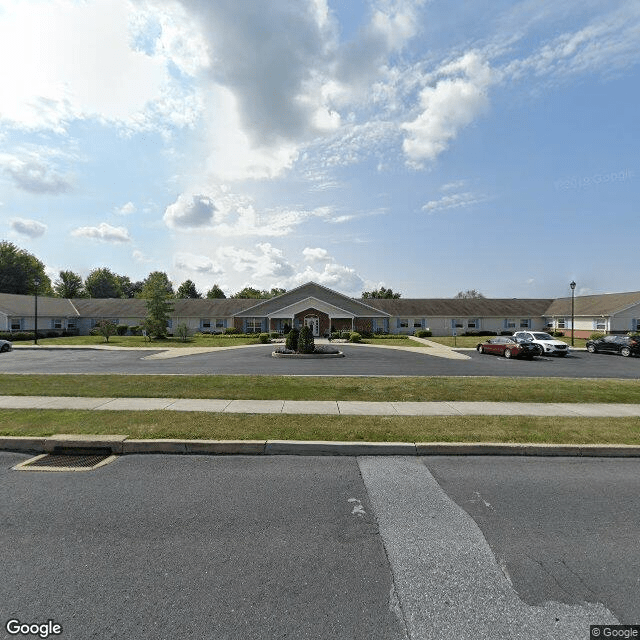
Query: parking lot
[{"x": 359, "y": 361}]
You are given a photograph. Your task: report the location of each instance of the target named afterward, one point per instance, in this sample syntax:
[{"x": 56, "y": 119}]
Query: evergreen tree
[
  {"x": 306, "y": 343},
  {"x": 215, "y": 292},
  {"x": 187, "y": 290}
]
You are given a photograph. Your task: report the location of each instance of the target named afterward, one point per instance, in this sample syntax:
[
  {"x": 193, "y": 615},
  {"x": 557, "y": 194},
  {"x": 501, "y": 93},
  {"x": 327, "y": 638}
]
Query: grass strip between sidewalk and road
[
  {"x": 387, "y": 389},
  {"x": 208, "y": 426}
]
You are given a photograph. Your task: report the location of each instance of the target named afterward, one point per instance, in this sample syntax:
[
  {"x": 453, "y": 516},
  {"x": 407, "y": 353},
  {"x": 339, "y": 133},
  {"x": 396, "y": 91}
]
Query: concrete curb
[{"x": 120, "y": 444}]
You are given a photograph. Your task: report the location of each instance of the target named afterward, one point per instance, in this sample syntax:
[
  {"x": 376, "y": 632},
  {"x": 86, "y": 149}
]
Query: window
[
  {"x": 254, "y": 325},
  {"x": 205, "y": 323},
  {"x": 473, "y": 323},
  {"x": 525, "y": 323},
  {"x": 16, "y": 324},
  {"x": 403, "y": 323},
  {"x": 561, "y": 323},
  {"x": 601, "y": 324},
  {"x": 417, "y": 323},
  {"x": 220, "y": 323},
  {"x": 509, "y": 323},
  {"x": 71, "y": 324},
  {"x": 457, "y": 324},
  {"x": 57, "y": 323}
]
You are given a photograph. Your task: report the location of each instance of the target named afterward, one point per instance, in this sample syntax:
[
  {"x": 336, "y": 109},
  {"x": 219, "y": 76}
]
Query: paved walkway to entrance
[{"x": 326, "y": 407}]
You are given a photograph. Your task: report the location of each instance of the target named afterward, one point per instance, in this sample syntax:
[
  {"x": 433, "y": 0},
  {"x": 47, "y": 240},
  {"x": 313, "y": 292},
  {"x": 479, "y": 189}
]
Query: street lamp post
[
  {"x": 36, "y": 282},
  {"x": 572, "y": 284}
]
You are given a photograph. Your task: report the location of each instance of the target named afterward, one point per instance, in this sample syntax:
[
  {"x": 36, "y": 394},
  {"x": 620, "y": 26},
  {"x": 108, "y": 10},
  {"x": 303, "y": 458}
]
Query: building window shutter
[{"x": 397, "y": 323}]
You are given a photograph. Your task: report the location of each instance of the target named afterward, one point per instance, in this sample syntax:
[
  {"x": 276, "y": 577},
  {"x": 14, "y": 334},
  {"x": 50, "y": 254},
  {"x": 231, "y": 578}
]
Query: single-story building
[{"x": 326, "y": 310}]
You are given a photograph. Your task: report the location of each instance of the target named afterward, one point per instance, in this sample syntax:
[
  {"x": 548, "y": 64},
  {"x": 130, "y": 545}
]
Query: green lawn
[
  {"x": 139, "y": 342},
  {"x": 234, "y": 387},
  {"x": 211, "y": 426}
]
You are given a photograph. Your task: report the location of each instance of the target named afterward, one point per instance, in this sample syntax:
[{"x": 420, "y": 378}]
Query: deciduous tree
[
  {"x": 19, "y": 269},
  {"x": 215, "y": 292},
  {"x": 187, "y": 290},
  {"x": 103, "y": 283},
  {"x": 380, "y": 293},
  {"x": 69, "y": 285}
]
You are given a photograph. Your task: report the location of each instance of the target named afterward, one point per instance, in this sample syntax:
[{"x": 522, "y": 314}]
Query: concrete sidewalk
[{"x": 326, "y": 407}]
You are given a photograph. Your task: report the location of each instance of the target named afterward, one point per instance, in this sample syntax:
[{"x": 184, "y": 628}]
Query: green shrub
[
  {"x": 19, "y": 335},
  {"x": 274, "y": 334},
  {"x": 306, "y": 343},
  {"x": 423, "y": 333},
  {"x": 122, "y": 329},
  {"x": 292, "y": 340},
  {"x": 354, "y": 336},
  {"x": 135, "y": 330},
  {"x": 335, "y": 335},
  {"x": 345, "y": 335},
  {"x": 558, "y": 334},
  {"x": 264, "y": 338},
  {"x": 230, "y": 330},
  {"x": 596, "y": 335},
  {"x": 183, "y": 331}
]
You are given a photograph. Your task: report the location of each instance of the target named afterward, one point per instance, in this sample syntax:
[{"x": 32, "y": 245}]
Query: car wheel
[
  {"x": 591, "y": 348},
  {"x": 5, "y": 347},
  {"x": 507, "y": 353},
  {"x": 540, "y": 349},
  {"x": 625, "y": 351},
  {"x": 480, "y": 349}
]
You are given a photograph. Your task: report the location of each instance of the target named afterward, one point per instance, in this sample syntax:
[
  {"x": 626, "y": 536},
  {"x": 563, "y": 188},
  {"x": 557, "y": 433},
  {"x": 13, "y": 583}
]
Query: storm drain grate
[{"x": 66, "y": 462}]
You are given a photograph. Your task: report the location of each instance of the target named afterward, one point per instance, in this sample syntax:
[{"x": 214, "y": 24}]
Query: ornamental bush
[
  {"x": 264, "y": 338},
  {"x": 306, "y": 343},
  {"x": 292, "y": 340},
  {"x": 423, "y": 333},
  {"x": 596, "y": 334},
  {"x": 122, "y": 329},
  {"x": 355, "y": 337},
  {"x": 231, "y": 330}
]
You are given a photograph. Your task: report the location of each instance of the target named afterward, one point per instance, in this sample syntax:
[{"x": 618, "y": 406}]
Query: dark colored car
[
  {"x": 624, "y": 345},
  {"x": 509, "y": 348},
  {"x": 5, "y": 345}
]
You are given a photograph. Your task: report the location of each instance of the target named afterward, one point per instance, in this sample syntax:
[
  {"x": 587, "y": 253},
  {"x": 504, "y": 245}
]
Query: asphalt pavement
[
  {"x": 388, "y": 548},
  {"x": 359, "y": 360}
]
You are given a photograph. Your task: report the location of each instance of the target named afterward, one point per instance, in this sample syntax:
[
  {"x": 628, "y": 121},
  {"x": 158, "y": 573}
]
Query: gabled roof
[
  {"x": 312, "y": 290},
  {"x": 605, "y": 304},
  {"x": 16, "y": 305},
  {"x": 465, "y": 307}
]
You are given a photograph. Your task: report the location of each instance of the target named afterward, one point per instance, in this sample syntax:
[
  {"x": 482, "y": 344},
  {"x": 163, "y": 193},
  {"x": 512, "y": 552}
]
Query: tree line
[{"x": 22, "y": 273}]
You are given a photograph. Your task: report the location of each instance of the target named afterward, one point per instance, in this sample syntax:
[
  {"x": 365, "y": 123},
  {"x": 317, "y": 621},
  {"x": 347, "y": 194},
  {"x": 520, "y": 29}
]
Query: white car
[
  {"x": 547, "y": 344},
  {"x": 5, "y": 345}
]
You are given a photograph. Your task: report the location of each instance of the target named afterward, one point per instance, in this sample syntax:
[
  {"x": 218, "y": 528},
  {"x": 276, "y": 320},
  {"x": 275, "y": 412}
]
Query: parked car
[
  {"x": 547, "y": 344},
  {"x": 509, "y": 348},
  {"x": 5, "y": 345},
  {"x": 624, "y": 345}
]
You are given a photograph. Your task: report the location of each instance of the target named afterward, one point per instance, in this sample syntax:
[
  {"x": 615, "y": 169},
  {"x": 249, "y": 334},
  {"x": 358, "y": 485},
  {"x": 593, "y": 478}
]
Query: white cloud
[
  {"x": 139, "y": 256},
  {"x": 104, "y": 232},
  {"x": 332, "y": 275},
  {"x": 75, "y": 61},
  {"x": 267, "y": 262},
  {"x": 197, "y": 264},
  {"x": 455, "y": 201},
  {"x": 30, "y": 228},
  {"x": 33, "y": 172},
  {"x": 316, "y": 255},
  {"x": 126, "y": 209},
  {"x": 190, "y": 212},
  {"x": 456, "y": 100}
]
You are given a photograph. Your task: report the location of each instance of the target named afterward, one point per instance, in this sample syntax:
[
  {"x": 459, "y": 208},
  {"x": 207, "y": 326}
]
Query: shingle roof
[
  {"x": 137, "y": 307},
  {"x": 466, "y": 307},
  {"x": 597, "y": 305},
  {"x": 16, "y": 305},
  {"x": 313, "y": 290}
]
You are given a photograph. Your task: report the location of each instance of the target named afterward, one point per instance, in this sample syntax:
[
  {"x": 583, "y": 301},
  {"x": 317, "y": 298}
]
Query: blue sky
[{"x": 430, "y": 147}]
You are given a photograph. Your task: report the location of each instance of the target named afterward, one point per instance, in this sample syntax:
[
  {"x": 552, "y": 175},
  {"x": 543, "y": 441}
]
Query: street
[
  {"x": 358, "y": 361},
  {"x": 188, "y": 547}
]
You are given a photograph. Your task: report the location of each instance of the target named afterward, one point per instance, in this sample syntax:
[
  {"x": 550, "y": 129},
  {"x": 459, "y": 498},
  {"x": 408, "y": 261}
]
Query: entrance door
[{"x": 314, "y": 324}]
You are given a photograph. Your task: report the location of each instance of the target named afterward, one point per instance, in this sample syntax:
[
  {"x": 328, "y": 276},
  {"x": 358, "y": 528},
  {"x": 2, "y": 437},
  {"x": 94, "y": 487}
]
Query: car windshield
[{"x": 542, "y": 336}]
